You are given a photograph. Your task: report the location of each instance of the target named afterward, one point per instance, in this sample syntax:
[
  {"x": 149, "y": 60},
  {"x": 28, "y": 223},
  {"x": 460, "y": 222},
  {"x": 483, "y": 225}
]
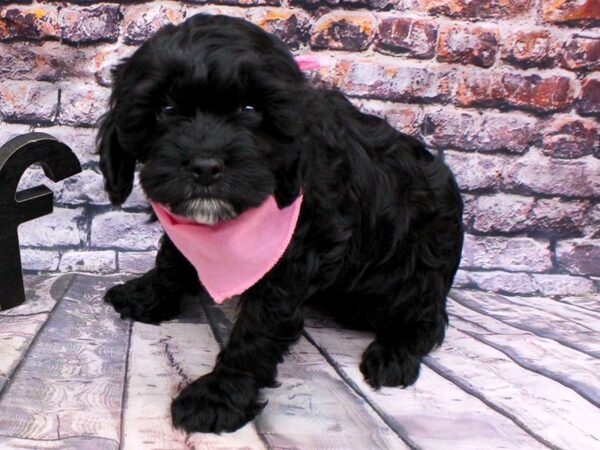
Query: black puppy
[{"x": 221, "y": 117}]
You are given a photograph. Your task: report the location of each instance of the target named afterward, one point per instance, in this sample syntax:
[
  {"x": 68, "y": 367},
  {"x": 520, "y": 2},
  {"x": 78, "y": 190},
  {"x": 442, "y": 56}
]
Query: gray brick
[
  {"x": 39, "y": 260},
  {"x": 84, "y": 188},
  {"x": 579, "y": 256},
  {"x": 35, "y": 101},
  {"x": 503, "y": 282},
  {"x": 502, "y": 212},
  {"x": 593, "y": 228},
  {"x": 81, "y": 141},
  {"x": 82, "y": 103},
  {"x": 88, "y": 261},
  {"x": 11, "y": 130},
  {"x": 512, "y": 254},
  {"x": 137, "y": 199},
  {"x": 62, "y": 227},
  {"x": 125, "y": 230},
  {"x": 474, "y": 171},
  {"x": 534, "y": 173},
  {"x": 561, "y": 285},
  {"x": 136, "y": 262}
]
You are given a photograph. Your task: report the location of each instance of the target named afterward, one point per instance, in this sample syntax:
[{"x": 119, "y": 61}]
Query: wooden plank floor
[{"x": 513, "y": 373}]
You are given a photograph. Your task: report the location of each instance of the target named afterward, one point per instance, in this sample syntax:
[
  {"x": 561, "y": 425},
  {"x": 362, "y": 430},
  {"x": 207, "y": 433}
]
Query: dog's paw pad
[
  {"x": 216, "y": 402},
  {"x": 384, "y": 365}
]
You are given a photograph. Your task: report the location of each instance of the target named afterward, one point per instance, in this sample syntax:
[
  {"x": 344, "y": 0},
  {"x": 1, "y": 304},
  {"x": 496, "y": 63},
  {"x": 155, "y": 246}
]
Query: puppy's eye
[
  {"x": 246, "y": 108},
  {"x": 168, "y": 110}
]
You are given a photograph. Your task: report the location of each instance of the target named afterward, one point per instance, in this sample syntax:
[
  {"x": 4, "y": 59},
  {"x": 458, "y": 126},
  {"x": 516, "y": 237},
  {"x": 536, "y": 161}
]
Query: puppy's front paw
[
  {"x": 137, "y": 300},
  {"x": 217, "y": 402},
  {"x": 385, "y": 365}
]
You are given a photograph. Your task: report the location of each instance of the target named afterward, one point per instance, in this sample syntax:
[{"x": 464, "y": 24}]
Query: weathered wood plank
[
  {"x": 41, "y": 292},
  {"x": 547, "y": 357},
  {"x": 162, "y": 360},
  {"x": 71, "y": 383},
  {"x": 550, "y": 411},
  {"x": 434, "y": 412},
  {"x": 313, "y": 408},
  {"x": 559, "y": 322},
  {"x": 20, "y": 325},
  {"x": 70, "y": 443},
  {"x": 591, "y": 302}
]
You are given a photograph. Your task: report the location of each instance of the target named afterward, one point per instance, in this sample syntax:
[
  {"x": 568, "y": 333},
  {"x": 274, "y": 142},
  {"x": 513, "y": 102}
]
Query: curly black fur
[{"x": 380, "y": 231}]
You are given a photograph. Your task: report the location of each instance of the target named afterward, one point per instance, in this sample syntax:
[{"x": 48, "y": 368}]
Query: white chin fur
[{"x": 209, "y": 211}]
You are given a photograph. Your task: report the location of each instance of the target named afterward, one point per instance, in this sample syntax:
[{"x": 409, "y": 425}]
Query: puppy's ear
[{"x": 117, "y": 166}]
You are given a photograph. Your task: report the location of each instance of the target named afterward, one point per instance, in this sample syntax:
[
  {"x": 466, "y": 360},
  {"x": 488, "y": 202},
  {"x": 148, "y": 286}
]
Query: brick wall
[{"x": 509, "y": 88}]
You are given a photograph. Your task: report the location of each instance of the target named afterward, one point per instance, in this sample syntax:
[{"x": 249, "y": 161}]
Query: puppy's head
[{"x": 213, "y": 110}]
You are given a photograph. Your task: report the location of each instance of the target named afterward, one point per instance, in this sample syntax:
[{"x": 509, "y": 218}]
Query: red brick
[
  {"x": 343, "y": 31},
  {"x": 581, "y": 52},
  {"x": 535, "y": 173},
  {"x": 245, "y": 2},
  {"x": 468, "y": 44},
  {"x": 405, "y": 118},
  {"x": 473, "y": 88},
  {"x": 237, "y": 3},
  {"x": 29, "y": 22},
  {"x": 579, "y": 256},
  {"x": 452, "y": 129},
  {"x": 47, "y": 61},
  {"x": 30, "y": 101},
  {"x": 390, "y": 81},
  {"x": 414, "y": 37},
  {"x": 85, "y": 25},
  {"x": 291, "y": 26},
  {"x": 328, "y": 4},
  {"x": 510, "y": 132},
  {"x": 516, "y": 90},
  {"x": 561, "y": 11},
  {"x": 477, "y": 8},
  {"x": 530, "y": 48},
  {"x": 142, "y": 21},
  {"x": 589, "y": 100},
  {"x": 568, "y": 137},
  {"x": 534, "y": 92}
]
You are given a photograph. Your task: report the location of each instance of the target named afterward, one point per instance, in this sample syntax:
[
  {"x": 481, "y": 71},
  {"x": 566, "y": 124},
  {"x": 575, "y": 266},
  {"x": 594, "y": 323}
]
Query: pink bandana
[{"x": 233, "y": 255}]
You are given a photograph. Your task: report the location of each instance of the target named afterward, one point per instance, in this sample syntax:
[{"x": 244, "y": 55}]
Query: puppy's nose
[{"x": 207, "y": 170}]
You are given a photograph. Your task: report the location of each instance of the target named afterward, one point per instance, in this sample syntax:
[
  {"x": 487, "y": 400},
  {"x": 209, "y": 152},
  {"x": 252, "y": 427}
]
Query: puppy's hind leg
[
  {"x": 156, "y": 295},
  {"x": 407, "y": 328}
]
